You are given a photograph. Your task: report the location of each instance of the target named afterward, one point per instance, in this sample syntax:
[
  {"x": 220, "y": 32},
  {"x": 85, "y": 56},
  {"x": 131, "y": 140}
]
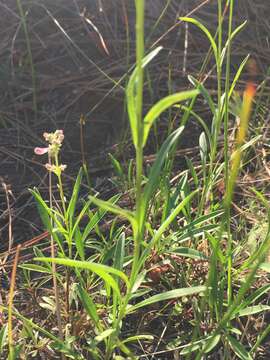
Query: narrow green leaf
[
  {"x": 168, "y": 295},
  {"x": 207, "y": 344},
  {"x": 204, "y": 92},
  {"x": 89, "y": 306},
  {"x": 74, "y": 196},
  {"x": 3, "y": 337},
  {"x": 234, "y": 33},
  {"x": 163, "y": 105},
  {"x": 119, "y": 252},
  {"x": 104, "y": 335},
  {"x": 251, "y": 310},
  {"x": 205, "y": 31},
  {"x": 102, "y": 271},
  {"x": 131, "y": 95},
  {"x": 106, "y": 205},
  {"x": 37, "y": 268},
  {"x": 153, "y": 182},
  {"x": 96, "y": 218},
  {"x": 188, "y": 252},
  {"x": 138, "y": 337},
  {"x": 238, "y": 348}
]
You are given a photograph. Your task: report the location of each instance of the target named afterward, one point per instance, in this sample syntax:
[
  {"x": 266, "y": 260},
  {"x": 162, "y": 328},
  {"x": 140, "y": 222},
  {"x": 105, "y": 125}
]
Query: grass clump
[{"x": 172, "y": 249}]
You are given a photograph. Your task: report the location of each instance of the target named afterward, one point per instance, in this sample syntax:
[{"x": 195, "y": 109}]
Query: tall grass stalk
[
  {"x": 226, "y": 151},
  {"x": 140, "y": 129}
]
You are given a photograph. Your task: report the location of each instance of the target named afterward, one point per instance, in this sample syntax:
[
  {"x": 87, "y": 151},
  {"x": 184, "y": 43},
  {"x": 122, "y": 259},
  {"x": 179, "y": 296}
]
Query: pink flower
[{"x": 41, "y": 151}]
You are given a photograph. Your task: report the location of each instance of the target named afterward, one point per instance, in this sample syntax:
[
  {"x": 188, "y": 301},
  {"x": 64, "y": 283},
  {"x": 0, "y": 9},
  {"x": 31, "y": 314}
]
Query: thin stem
[
  {"x": 55, "y": 286},
  {"x": 139, "y": 149},
  {"x": 226, "y": 152}
]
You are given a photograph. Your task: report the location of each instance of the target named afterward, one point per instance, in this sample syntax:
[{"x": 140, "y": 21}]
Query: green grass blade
[
  {"x": 238, "y": 348},
  {"x": 131, "y": 95},
  {"x": 89, "y": 306},
  {"x": 102, "y": 271},
  {"x": 168, "y": 295},
  {"x": 188, "y": 252},
  {"x": 163, "y": 105},
  {"x": 74, "y": 197},
  {"x": 205, "y": 31}
]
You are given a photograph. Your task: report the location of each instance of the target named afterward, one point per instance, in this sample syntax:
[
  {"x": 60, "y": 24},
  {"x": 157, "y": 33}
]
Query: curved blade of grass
[
  {"x": 251, "y": 310},
  {"x": 238, "y": 348},
  {"x": 234, "y": 33},
  {"x": 89, "y": 306},
  {"x": 238, "y": 73},
  {"x": 106, "y": 205},
  {"x": 168, "y": 295},
  {"x": 163, "y": 105},
  {"x": 102, "y": 271},
  {"x": 205, "y": 31}
]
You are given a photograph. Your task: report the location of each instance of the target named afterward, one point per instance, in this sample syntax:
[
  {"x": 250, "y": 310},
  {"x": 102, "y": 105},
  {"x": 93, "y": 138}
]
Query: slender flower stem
[{"x": 55, "y": 286}]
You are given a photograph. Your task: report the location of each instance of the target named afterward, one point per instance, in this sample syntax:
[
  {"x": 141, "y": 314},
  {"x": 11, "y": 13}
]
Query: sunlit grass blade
[
  {"x": 101, "y": 270},
  {"x": 163, "y": 105},
  {"x": 168, "y": 295},
  {"x": 205, "y": 31}
]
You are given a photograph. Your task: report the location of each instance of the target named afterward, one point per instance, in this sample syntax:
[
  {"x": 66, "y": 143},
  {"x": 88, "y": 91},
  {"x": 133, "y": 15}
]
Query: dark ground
[{"x": 77, "y": 71}]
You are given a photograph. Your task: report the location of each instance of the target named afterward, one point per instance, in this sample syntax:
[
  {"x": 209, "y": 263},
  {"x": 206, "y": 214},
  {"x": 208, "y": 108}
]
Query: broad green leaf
[
  {"x": 89, "y": 306},
  {"x": 168, "y": 295},
  {"x": 188, "y": 252},
  {"x": 163, "y": 105},
  {"x": 238, "y": 348},
  {"x": 205, "y": 31},
  {"x": 131, "y": 96},
  {"x": 102, "y": 271}
]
